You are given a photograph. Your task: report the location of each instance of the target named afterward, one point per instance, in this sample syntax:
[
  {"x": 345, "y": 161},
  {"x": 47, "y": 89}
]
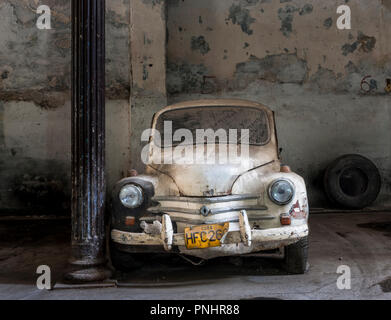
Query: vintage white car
[{"x": 194, "y": 203}]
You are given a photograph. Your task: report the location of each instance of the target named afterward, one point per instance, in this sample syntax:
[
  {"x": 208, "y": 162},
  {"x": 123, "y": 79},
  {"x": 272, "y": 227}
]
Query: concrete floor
[{"x": 361, "y": 241}]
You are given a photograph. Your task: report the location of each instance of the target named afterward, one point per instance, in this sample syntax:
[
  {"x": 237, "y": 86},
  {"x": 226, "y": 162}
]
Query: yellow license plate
[{"x": 205, "y": 236}]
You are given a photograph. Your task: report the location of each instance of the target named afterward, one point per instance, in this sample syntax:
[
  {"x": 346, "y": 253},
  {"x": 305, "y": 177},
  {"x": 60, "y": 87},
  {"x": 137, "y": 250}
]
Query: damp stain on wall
[
  {"x": 185, "y": 77},
  {"x": 199, "y": 44},
  {"x": 363, "y": 43},
  {"x": 282, "y": 68},
  {"x": 241, "y": 16},
  {"x": 286, "y": 15},
  {"x": 327, "y": 23}
]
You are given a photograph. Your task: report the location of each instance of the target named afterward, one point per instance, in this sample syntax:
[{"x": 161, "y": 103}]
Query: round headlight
[
  {"x": 281, "y": 191},
  {"x": 131, "y": 196}
]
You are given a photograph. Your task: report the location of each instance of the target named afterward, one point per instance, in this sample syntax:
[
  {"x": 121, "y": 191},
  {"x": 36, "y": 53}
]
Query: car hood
[{"x": 213, "y": 178}]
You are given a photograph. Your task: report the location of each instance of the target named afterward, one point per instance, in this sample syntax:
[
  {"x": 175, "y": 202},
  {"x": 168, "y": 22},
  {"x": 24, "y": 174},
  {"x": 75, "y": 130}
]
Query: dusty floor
[{"x": 361, "y": 241}]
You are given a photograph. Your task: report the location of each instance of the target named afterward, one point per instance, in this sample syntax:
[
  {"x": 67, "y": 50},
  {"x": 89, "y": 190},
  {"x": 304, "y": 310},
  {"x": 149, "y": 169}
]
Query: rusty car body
[{"x": 252, "y": 206}]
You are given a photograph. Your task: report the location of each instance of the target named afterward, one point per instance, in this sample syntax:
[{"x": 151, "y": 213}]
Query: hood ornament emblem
[{"x": 204, "y": 211}]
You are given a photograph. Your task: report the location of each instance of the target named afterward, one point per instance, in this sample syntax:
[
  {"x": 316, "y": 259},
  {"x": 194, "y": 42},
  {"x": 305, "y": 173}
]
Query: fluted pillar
[{"x": 88, "y": 140}]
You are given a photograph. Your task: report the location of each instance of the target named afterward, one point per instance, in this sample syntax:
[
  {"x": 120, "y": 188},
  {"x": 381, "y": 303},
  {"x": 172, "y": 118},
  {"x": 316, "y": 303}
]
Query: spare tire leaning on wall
[{"x": 352, "y": 181}]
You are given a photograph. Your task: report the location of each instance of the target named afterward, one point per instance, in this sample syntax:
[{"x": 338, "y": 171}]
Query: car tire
[
  {"x": 120, "y": 260},
  {"x": 124, "y": 261},
  {"x": 352, "y": 181},
  {"x": 296, "y": 256}
]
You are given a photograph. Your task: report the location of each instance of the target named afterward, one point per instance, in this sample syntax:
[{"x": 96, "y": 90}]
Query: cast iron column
[{"x": 88, "y": 140}]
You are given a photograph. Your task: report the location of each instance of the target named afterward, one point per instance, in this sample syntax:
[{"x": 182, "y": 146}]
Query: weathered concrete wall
[
  {"x": 148, "y": 65},
  {"x": 35, "y": 111},
  {"x": 290, "y": 55}
]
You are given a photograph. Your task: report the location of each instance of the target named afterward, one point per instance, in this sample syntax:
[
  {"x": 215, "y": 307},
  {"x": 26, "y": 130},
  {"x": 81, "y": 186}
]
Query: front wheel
[
  {"x": 124, "y": 261},
  {"x": 121, "y": 260},
  {"x": 296, "y": 255}
]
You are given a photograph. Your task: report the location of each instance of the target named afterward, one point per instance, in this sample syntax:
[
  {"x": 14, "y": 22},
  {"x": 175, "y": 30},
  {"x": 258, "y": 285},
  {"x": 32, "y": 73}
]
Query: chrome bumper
[{"x": 238, "y": 233}]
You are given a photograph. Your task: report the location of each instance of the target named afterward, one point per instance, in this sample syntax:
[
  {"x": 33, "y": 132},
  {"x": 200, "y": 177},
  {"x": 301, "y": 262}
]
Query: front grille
[{"x": 196, "y": 210}]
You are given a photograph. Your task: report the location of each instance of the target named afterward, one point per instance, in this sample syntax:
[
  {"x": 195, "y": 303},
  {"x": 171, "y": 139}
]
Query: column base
[
  {"x": 94, "y": 274},
  {"x": 88, "y": 263}
]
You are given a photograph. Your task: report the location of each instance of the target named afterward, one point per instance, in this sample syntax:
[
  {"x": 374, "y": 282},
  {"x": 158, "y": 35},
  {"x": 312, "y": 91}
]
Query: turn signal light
[
  {"x": 285, "y": 219},
  {"x": 129, "y": 220}
]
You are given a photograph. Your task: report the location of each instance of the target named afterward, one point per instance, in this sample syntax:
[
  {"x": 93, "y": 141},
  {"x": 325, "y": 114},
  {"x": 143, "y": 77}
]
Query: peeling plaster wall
[
  {"x": 290, "y": 55},
  {"x": 35, "y": 110}
]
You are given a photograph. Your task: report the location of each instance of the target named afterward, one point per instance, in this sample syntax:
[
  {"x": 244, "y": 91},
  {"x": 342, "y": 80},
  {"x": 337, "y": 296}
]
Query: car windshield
[{"x": 226, "y": 123}]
